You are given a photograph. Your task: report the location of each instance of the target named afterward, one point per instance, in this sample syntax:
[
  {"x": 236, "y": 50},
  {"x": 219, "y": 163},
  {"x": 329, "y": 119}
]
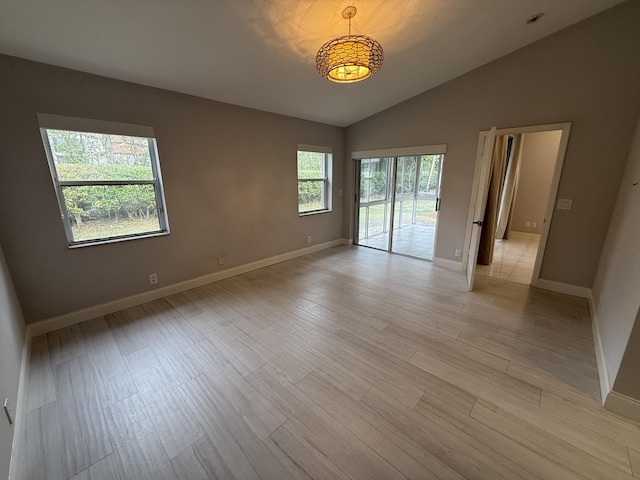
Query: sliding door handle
[{"x": 437, "y": 204}]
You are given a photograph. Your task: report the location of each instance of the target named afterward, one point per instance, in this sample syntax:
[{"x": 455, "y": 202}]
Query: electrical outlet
[
  {"x": 220, "y": 261},
  {"x": 527, "y": 224},
  {"x": 458, "y": 252},
  {"x": 534, "y": 224},
  {"x": 309, "y": 239},
  {"x": 565, "y": 204},
  {"x": 8, "y": 412},
  {"x": 153, "y": 278}
]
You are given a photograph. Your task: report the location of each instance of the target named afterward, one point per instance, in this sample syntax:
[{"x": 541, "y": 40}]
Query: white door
[{"x": 487, "y": 139}]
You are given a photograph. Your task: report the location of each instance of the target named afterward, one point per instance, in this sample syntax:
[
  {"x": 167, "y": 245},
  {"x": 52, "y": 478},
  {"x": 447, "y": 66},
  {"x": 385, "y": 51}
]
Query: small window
[
  {"x": 107, "y": 179},
  {"x": 314, "y": 179}
]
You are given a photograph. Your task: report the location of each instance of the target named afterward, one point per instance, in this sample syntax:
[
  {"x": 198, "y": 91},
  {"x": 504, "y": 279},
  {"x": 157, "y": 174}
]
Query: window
[
  {"x": 314, "y": 179},
  {"x": 107, "y": 179}
]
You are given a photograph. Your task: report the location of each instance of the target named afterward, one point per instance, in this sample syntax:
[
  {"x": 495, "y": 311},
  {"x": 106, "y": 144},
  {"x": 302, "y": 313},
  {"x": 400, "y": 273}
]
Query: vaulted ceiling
[{"x": 260, "y": 53}]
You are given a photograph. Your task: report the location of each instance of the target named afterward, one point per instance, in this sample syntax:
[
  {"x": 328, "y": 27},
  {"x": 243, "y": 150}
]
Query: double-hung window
[
  {"x": 314, "y": 179},
  {"x": 107, "y": 179}
]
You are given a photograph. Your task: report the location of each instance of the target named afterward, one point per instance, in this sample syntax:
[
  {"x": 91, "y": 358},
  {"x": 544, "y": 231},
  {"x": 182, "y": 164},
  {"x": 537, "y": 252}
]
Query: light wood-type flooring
[{"x": 345, "y": 364}]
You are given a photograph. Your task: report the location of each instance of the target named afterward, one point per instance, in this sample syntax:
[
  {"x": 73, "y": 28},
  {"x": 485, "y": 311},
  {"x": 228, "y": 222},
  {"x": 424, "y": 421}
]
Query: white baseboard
[
  {"x": 15, "y": 465},
  {"x": 78, "y": 316},
  {"x": 622, "y": 405},
  {"x": 450, "y": 264},
  {"x": 566, "y": 288},
  {"x": 601, "y": 361}
]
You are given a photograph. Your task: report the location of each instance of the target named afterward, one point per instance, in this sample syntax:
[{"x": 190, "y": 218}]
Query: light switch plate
[{"x": 565, "y": 204}]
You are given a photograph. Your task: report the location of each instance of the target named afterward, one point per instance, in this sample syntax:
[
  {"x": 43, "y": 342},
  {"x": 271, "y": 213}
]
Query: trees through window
[
  {"x": 314, "y": 180},
  {"x": 108, "y": 185}
]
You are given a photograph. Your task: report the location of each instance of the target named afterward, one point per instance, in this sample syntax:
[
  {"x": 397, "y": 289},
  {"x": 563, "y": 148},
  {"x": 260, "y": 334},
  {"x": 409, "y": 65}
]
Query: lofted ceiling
[{"x": 260, "y": 53}]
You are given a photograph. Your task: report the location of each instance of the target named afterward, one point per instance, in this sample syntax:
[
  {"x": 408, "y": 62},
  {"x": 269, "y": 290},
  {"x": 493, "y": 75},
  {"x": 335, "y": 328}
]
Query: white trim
[
  {"x": 532, "y": 128},
  {"x": 450, "y": 264},
  {"x": 472, "y": 203},
  {"x": 553, "y": 195},
  {"x": 77, "y": 124},
  {"x": 400, "y": 151},
  {"x": 565, "y": 127},
  {"x": 15, "y": 465},
  {"x": 347, "y": 241},
  {"x": 601, "y": 360},
  {"x": 78, "y": 316},
  {"x": 566, "y": 288},
  {"x": 622, "y": 405},
  {"x": 315, "y": 148}
]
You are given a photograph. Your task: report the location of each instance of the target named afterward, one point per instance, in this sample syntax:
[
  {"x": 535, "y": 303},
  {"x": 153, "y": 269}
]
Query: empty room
[{"x": 319, "y": 240}]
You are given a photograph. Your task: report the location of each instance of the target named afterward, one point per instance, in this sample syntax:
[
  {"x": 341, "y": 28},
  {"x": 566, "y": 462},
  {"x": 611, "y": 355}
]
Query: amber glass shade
[{"x": 350, "y": 58}]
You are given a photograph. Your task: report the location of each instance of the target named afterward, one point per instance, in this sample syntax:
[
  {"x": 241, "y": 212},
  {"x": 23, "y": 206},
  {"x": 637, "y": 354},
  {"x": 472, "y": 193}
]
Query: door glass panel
[
  {"x": 417, "y": 198},
  {"x": 413, "y": 204},
  {"x": 374, "y": 215}
]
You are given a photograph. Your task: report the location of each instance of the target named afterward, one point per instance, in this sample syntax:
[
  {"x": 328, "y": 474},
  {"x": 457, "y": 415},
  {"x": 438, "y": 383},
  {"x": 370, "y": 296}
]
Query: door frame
[
  {"x": 439, "y": 149},
  {"x": 565, "y": 127}
]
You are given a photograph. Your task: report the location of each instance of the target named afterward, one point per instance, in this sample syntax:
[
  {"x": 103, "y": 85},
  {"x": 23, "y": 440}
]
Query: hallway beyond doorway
[{"x": 513, "y": 259}]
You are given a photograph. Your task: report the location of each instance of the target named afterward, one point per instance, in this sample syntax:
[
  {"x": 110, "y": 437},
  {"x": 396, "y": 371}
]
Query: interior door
[{"x": 487, "y": 139}]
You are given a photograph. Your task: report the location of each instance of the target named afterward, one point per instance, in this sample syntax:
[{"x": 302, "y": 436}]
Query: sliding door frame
[{"x": 393, "y": 154}]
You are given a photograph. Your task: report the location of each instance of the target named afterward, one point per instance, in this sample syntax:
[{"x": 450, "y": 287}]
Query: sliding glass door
[
  {"x": 402, "y": 191},
  {"x": 374, "y": 201}
]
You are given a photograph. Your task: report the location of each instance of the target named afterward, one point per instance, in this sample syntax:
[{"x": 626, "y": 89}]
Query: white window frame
[
  {"x": 59, "y": 122},
  {"x": 327, "y": 179}
]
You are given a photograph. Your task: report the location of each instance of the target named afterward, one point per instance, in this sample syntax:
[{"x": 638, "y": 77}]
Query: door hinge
[{"x": 479, "y": 223}]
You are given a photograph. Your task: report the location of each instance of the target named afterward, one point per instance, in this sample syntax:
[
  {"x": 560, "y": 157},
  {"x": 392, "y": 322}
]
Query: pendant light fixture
[{"x": 350, "y": 58}]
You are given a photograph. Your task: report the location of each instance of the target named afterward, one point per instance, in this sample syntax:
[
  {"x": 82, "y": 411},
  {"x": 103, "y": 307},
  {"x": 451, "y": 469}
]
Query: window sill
[
  {"x": 314, "y": 212},
  {"x": 105, "y": 241}
]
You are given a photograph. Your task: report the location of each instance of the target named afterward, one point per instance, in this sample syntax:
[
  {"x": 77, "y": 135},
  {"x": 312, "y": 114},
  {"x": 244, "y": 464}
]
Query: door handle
[
  {"x": 479, "y": 223},
  {"x": 437, "y": 204}
]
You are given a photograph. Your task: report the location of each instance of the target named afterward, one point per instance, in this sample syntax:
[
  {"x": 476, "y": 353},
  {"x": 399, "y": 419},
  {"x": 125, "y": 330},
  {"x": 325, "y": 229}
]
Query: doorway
[
  {"x": 398, "y": 203},
  {"x": 517, "y": 177}
]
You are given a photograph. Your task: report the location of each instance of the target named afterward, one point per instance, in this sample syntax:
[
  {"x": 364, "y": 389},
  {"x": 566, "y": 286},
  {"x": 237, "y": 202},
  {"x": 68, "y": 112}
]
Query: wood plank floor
[{"x": 345, "y": 364}]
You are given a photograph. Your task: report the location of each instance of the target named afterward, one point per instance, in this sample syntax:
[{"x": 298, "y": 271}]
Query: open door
[{"x": 480, "y": 203}]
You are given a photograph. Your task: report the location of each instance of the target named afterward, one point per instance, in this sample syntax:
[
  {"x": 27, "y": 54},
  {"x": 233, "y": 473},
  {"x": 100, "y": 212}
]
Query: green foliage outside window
[
  {"x": 311, "y": 195},
  {"x": 80, "y": 156}
]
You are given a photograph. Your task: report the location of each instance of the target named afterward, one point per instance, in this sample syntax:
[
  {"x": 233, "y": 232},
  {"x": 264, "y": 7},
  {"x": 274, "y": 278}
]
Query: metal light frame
[{"x": 350, "y": 58}]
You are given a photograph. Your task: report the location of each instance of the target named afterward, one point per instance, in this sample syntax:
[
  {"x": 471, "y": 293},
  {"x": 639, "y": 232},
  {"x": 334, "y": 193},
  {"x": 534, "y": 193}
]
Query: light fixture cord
[{"x": 350, "y": 27}]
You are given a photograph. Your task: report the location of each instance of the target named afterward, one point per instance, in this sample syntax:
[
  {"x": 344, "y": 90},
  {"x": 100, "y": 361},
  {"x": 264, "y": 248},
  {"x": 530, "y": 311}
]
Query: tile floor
[
  {"x": 513, "y": 259},
  {"x": 413, "y": 240}
]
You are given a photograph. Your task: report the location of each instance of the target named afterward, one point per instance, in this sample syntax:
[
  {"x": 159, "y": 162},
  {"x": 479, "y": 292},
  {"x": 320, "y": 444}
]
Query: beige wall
[
  {"x": 587, "y": 74},
  {"x": 616, "y": 289},
  {"x": 229, "y": 176},
  {"x": 627, "y": 381},
  {"x": 537, "y": 162},
  {"x": 11, "y": 343}
]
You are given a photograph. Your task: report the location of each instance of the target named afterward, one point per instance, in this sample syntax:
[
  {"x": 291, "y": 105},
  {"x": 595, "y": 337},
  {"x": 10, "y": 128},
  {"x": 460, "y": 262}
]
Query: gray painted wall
[
  {"x": 11, "y": 344},
  {"x": 587, "y": 74},
  {"x": 537, "y": 162},
  {"x": 627, "y": 379},
  {"x": 616, "y": 289},
  {"x": 229, "y": 175}
]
